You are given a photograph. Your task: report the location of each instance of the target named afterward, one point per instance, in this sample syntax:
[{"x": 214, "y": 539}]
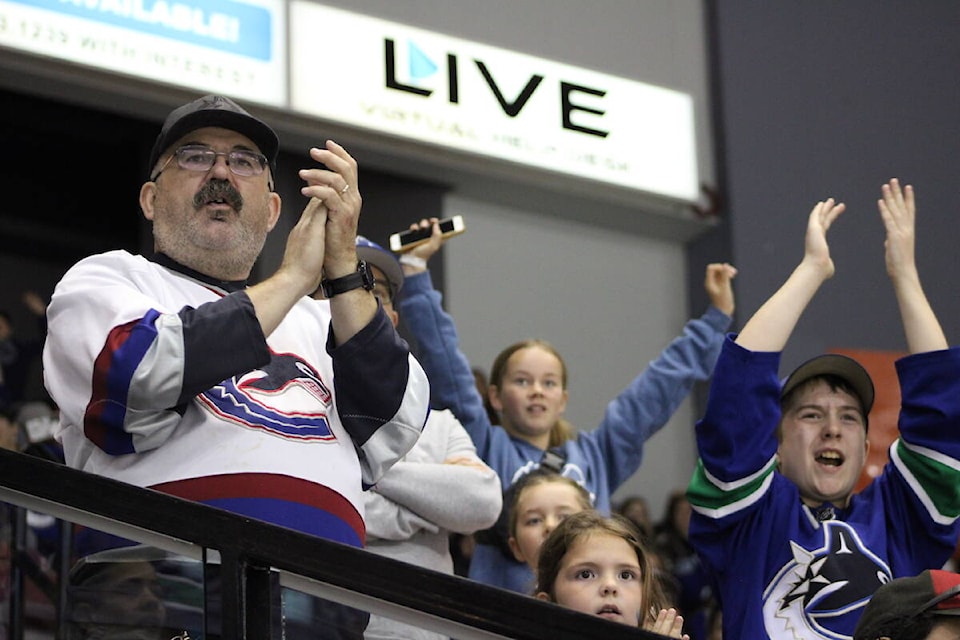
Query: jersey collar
[{"x": 227, "y": 285}]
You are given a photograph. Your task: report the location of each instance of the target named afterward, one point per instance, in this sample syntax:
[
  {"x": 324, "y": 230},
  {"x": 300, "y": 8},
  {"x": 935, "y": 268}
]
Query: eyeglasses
[
  {"x": 194, "y": 157},
  {"x": 383, "y": 292}
]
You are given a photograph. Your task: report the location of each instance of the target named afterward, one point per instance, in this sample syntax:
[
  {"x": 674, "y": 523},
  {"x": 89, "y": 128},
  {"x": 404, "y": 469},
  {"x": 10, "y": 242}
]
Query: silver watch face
[{"x": 369, "y": 280}]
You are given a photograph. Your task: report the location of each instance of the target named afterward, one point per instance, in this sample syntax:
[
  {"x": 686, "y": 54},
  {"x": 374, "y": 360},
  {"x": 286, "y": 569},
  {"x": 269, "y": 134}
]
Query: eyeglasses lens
[{"x": 240, "y": 161}]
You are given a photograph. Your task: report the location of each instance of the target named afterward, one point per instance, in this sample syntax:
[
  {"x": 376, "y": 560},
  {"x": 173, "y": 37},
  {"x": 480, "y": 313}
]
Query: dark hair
[
  {"x": 585, "y": 523},
  {"x": 480, "y": 380},
  {"x": 646, "y": 529},
  {"x": 836, "y": 383},
  {"x": 562, "y": 430}
]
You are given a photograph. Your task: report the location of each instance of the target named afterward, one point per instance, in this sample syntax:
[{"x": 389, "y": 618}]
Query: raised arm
[
  {"x": 452, "y": 385},
  {"x": 328, "y": 221},
  {"x": 920, "y": 324},
  {"x": 718, "y": 283},
  {"x": 771, "y": 326}
]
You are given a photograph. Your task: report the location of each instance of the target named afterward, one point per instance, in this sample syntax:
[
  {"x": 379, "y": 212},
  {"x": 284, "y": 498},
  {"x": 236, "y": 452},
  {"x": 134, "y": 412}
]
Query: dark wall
[
  {"x": 819, "y": 99},
  {"x": 72, "y": 178}
]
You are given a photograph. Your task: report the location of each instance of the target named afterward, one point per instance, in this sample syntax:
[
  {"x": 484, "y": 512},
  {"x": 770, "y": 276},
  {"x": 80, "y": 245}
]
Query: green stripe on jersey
[
  {"x": 718, "y": 501},
  {"x": 940, "y": 482}
]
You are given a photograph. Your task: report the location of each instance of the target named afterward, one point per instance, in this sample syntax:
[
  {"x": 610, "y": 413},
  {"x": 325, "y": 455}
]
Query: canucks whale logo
[
  {"x": 286, "y": 398},
  {"x": 820, "y": 593}
]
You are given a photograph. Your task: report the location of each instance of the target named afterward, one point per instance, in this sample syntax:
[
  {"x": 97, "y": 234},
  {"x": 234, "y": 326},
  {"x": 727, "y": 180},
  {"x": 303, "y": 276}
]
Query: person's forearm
[
  {"x": 471, "y": 498},
  {"x": 771, "y": 326},
  {"x": 274, "y": 297},
  {"x": 351, "y": 312},
  {"x": 920, "y": 324},
  {"x": 451, "y": 378}
]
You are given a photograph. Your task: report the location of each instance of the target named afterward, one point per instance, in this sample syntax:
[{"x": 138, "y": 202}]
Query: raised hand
[
  {"x": 719, "y": 286},
  {"x": 920, "y": 324},
  {"x": 898, "y": 211},
  {"x": 816, "y": 249},
  {"x": 771, "y": 326},
  {"x": 425, "y": 250},
  {"x": 336, "y": 188},
  {"x": 668, "y": 623}
]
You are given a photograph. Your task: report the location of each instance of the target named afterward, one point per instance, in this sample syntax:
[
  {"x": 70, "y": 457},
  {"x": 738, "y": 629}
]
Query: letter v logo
[{"x": 420, "y": 65}]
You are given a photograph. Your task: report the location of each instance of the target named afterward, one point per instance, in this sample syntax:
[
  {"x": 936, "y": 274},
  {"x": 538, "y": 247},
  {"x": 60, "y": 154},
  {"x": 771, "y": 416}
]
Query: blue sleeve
[
  {"x": 652, "y": 398},
  {"x": 452, "y": 384},
  {"x": 220, "y": 339},
  {"x": 927, "y": 453},
  {"x": 930, "y": 412},
  {"x": 371, "y": 377},
  {"x": 737, "y": 436}
]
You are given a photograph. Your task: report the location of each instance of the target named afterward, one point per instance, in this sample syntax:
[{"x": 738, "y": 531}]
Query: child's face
[
  {"x": 531, "y": 397},
  {"x": 8, "y": 434},
  {"x": 823, "y": 444},
  {"x": 600, "y": 575},
  {"x": 540, "y": 508}
]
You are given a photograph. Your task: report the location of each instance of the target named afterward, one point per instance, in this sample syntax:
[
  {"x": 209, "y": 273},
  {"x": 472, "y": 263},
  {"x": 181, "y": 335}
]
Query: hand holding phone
[{"x": 405, "y": 240}]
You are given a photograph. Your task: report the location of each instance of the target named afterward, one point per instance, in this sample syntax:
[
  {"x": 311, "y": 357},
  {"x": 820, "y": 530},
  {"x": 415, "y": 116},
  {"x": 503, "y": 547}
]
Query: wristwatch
[{"x": 362, "y": 278}]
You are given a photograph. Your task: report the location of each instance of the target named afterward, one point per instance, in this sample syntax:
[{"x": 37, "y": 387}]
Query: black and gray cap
[{"x": 215, "y": 111}]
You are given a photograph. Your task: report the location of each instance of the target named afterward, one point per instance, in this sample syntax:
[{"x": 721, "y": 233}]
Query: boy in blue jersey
[{"x": 794, "y": 552}]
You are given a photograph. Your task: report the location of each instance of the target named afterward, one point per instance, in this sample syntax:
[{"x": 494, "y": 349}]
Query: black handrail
[{"x": 324, "y": 568}]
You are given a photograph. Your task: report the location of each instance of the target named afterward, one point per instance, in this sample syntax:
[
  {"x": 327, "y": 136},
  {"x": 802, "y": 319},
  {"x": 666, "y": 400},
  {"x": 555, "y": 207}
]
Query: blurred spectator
[
  {"x": 636, "y": 510},
  {"x": 461, "y": 550},
  {"x": 715, "y": 623},
  {"x": 9, "y": 432},
  {"x": 137, "y": 593},
  {"x": 38, "y": 421},
  {"x": 19, "y": 356},
  {"x": 694, "y": 594}
]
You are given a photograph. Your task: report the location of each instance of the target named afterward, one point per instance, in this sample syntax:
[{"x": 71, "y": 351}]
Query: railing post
[
  {"x": 246, "y": 598},
  {"x": 258, "y": 605},
  {"x": 17, "y": 595},
  {"x": 64, "y": 563}
]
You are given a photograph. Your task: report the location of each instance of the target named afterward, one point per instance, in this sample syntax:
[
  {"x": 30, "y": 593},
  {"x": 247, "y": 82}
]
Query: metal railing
[{"x": 247, "y": 552}]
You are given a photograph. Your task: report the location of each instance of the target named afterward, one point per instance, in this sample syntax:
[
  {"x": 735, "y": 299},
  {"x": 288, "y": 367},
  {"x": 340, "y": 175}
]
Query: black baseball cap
[
  {"x": 215, "y": 111},
  {"x": 834, "y": 364},
  {"x": 895, "y": 606}
]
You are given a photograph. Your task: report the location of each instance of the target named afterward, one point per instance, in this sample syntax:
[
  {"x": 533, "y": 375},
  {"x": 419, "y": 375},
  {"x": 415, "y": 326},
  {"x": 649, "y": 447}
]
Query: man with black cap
[
  {"x": 172, "y": 373},
  {"x": 923, "y": 607},
  {"x": 794, "y": 552}
]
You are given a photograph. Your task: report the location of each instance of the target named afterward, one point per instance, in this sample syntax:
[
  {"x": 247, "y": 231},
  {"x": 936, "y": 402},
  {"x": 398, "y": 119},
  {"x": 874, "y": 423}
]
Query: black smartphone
[{"x": 406, "y": 240}]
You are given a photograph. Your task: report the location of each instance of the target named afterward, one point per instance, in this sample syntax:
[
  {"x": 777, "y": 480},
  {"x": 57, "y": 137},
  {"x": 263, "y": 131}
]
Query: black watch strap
[{"x": 362, "y": 278}]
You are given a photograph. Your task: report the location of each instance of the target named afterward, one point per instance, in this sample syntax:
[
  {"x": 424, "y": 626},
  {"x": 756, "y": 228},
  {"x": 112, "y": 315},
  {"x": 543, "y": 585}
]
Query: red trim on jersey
[{"x": 265, "y": 485}]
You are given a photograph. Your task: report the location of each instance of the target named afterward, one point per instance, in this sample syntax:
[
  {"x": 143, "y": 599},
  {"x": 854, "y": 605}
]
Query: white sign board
[
  {"x": 215, "y": 46},
  {"x": 480, "y": 99}
]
